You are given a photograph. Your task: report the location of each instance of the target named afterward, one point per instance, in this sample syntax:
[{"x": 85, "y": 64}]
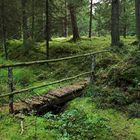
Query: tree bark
[
  {"x": 10, "y": 74},
  {"x": 90, "y": 21},
  {"x": 124, "y": 31},
  {"x": 137, "y": 7},
  {"x": 33, "y": 18},
  {"x": 75, "y": 31},
  {"x": 3, "y": 28},
  {"x": 115, "y": 35},
  {"x": 47, "y": 29},
  {"x": 11, "y": 89},
  {"x": 24, "y": 22},
  {"x": 66, "y": 21},
  {"x": 125, "y": 25}
]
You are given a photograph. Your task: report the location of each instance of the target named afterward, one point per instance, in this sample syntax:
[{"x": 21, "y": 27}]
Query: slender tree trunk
[
  {"x": 10, "y": 74},
  {"x": 3, "y": 28},
  {"x": 90, "y": 21},
  {"x": 137, "y": 5},
  {"x": 66, "y": 21},
  {"x": 63, "y": 27},
  {"x": 124, "y": 31},
  {"x": 115, "y": 35},
  {"x": 24, "y": 22},
  {"x": 124, "y": 26},
  {"x": 33, "y": 18},
  {"x": 47, "y": 29},
  {"x": 75, "y": 31}
]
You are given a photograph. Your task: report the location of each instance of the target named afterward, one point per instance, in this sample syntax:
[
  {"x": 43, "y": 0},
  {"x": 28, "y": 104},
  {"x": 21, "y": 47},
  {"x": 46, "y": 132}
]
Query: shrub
[
  {"x": 22, "y": 52},
  {"x": 134, "y": 110},
  {"x": 23, "y": 76},
  {"x": 74, "y": 124}
]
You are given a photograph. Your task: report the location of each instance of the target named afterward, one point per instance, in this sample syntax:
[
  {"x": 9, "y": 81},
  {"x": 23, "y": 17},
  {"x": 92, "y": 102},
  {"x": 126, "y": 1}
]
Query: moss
[
  {"x": 34, "y": 128},
  {"x": 134, "y": 110},
  {"x": 114, "y": 119},
  {"x": 81, "y": 119}
]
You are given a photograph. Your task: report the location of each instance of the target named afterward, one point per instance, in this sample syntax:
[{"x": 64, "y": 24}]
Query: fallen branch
[{"x": 22, "y": 127}]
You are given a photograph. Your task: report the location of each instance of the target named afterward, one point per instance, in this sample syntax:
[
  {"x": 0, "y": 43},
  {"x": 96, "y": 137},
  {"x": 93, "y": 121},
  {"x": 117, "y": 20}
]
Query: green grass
[{"x": 81, "y": 120}]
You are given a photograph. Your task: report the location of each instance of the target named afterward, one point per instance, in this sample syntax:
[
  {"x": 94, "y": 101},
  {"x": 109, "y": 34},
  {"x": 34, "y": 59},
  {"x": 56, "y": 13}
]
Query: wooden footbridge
[{"x": 54, "y": 97}]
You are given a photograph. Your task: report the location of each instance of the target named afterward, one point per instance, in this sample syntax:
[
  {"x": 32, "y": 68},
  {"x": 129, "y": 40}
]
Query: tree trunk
[
  {"x": 115, "y": 35},
  {"x": 10, "y": 74},
  {"x": 90, "y": 21},
  {"x": 33, "y": 18},
  {"x": 137, "y": 5},
  {"x": 47, "y": 29},
  {"x": 24, "y": 22},
  {"x": 66, "y": 21},
  {"x": 3, "y": 28},
  {"x": 75, "y": 31},
  {"x": 125, "y": 25},
  {"x": 124, "y": 31}
]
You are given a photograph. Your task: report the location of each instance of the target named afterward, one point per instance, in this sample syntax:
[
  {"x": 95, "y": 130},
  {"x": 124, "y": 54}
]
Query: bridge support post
[
  {"x": 93, "y": 66},
  {"x": 10, "y": 88}
]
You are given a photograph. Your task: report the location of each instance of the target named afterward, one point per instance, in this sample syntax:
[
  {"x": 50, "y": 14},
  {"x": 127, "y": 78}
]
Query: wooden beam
[
  {"x": 23, "y": 64},
  {"x": 44, "y": 85}
]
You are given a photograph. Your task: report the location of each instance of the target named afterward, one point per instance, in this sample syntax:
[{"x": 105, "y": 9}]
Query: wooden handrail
[
  {"x": 44, "y": 85},
  {"x": 23, "y": 64}
]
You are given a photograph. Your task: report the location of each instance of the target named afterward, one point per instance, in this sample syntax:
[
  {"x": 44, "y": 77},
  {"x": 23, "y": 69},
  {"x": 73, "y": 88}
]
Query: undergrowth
[
  {"x": 81, "y": 120},
  {"x": 96, "y": 115}
]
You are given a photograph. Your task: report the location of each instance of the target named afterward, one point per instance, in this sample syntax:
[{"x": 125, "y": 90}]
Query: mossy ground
[
  {"x": 81, "y": 120},
  {"x": 108, "y": 113}
]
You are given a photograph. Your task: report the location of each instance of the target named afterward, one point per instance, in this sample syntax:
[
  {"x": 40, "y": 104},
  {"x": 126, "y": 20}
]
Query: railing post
[
  {"x": 93, "y": 66},
  {"x": 10, "y": 88}
]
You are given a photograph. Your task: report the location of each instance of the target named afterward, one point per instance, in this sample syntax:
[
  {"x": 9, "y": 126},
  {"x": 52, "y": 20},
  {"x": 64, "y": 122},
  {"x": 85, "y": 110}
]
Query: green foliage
[
  {"x": 16, "y": 50},
  {"x": 75, "y": 125},
  {"x": 81, "y": 120},
  {"x": 106, "y": 97},
  {"x": 135, "y": 58},
  {"x": 83, "y": 117},
  {"x": 134, "y": 110},
  {"x": 103, "y": 18},
  {"x": 118, "y": 98},
  {"x": 23, "y": 76},
  {"x": 126, "y": 73}
]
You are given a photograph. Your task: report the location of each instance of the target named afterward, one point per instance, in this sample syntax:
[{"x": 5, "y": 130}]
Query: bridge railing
[{"x": 10, "y": 67}]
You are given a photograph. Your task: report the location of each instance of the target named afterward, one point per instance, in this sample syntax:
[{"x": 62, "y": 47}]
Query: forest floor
[{"x": 108, "y": 110}]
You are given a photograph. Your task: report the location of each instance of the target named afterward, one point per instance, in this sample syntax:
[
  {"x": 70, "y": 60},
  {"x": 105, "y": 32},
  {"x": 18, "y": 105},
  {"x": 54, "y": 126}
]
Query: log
[{"x": 45, "y": 103}]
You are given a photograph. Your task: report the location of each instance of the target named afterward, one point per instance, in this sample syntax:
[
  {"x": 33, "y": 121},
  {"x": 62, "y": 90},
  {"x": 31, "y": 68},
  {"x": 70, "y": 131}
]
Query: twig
[{"x": 22, "y": 127}]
